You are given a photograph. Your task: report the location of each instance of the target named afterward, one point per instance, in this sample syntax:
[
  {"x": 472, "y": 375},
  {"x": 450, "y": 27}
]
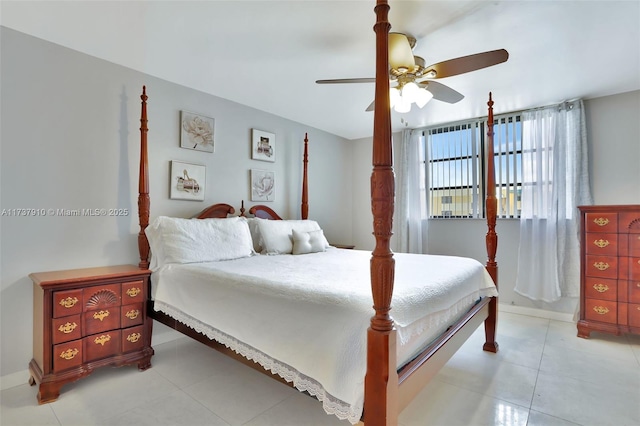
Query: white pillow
[
  {"x": 255, "y": 233},
  {"x": 176, "y": 240},
  {"x": 277, "y": 235},
  {"x": 308, "y": 242}
]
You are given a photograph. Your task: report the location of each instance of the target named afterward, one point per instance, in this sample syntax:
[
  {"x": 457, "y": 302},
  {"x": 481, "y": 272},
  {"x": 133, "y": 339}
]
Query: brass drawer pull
[
  {"x": 601, "y": 221},
  {"x": 601, "y": 243},
  {"x": 133, "y": 291},
  {"x": 69, "y": 302},
  {"x": 601, "y": 265},
  {"x": 132, "y": 314},
  {"x": 67, "y": 328},
  {"x": 100, "y": 315},
  {"x": 601, "y": 310},
  {"x": 102, "y": 339},
  {"x": 69, "y": 354},
  {"x": 601, "y": 288},
  {"x": 134, "y": 337}
]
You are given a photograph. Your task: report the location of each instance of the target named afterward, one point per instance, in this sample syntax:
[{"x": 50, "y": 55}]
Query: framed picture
[
  {"x": 263, "y": 145},
  {"x": 196, "y": 131},
  {"x": 187, "y": 181},
  {"x": 263, "y": 185}
]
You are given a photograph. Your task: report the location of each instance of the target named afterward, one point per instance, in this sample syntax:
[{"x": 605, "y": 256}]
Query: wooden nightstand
[{"x": 87, "y": 318}]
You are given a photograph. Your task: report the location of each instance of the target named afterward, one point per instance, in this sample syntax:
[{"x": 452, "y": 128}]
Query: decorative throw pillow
[
  {"x": 277, "y": 235},
  {"x": 308, "y": 242}
]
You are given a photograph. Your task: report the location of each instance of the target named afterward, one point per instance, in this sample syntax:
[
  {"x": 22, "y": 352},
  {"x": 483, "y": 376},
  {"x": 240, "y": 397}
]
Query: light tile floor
[{"x": 543, "y": 375}]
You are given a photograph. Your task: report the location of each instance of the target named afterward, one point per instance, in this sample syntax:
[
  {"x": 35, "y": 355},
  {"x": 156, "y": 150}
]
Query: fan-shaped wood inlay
[
  {"x": 101, "y": 299},
  {"x": 635, "y": 224}
]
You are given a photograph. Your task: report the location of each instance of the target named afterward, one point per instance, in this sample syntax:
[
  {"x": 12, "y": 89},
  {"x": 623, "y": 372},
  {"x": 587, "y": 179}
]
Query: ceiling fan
[{"x": 414, "y": 81}]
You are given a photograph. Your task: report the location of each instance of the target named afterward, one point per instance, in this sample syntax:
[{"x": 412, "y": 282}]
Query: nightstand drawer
[
  {"x": 101, "y": 297},
  {"x": 102, "y": 320},
  {"x": 601, "y": 222},
  {"x": 65, "y": 329},
  {"x": 601, "y": 288},
  {"x": 133, "y": 338},
  {"x": 634, "y": 291},
  {"x": 131, "y": 315},
  {"x": 601, "y": 310},
  {"x": 101, "y": 345},
  {"x": 601, "y": 266},
  {"x": 67, "y": 355},
  {"x": 634, "y": 314},
  {"x": 67, "y": 302},
  {"x": 601, "y": 244},
  {"x": 132, "y": 292}
]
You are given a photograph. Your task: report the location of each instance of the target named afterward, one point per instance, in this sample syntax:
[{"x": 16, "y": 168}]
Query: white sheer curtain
[
  {"x": 555, "y": 181},
  {"x": 409, "y": 204}
]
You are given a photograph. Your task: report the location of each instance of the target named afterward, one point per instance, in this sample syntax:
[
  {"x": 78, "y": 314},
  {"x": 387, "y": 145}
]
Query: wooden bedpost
[
  {"x": 305, "y": 192},
  {"x": 143, "y": 186},
  {"x": 381, "y": 380},
  {"x": 492, "y": 238}
]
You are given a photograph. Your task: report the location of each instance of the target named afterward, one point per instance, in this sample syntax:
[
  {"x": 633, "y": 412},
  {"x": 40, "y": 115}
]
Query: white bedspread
[{"x": 305, "y": 317}]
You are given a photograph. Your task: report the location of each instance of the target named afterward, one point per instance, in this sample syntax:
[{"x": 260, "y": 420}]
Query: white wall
[
  {"x": 70, "y": 140},
  {"x": 613, "y": 134}
]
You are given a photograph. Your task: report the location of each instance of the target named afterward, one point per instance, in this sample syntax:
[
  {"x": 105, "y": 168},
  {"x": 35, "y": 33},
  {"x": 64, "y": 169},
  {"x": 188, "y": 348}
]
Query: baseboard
[{"x": 534, "y": 312}]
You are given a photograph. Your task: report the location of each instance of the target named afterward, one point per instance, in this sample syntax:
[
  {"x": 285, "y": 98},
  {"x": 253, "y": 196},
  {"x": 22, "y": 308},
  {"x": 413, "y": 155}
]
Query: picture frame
[
  {"x": 187, "y": 181},
  {"x": 263, "y": 145},
  {"x": 197, "y": 131},
  {"x": 263, "y": 185}
]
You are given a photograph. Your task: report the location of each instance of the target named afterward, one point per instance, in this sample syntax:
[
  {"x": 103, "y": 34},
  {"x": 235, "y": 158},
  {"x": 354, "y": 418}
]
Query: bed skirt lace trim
[{"x": 303, "y": 383}]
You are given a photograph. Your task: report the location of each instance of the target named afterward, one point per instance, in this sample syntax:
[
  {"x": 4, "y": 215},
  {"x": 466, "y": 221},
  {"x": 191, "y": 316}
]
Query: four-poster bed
[{"x": 393, "y": 375}]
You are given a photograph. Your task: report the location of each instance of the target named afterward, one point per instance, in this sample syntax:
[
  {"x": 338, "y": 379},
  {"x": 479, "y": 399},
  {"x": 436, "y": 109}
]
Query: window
[{"x": 454, "y": 172}]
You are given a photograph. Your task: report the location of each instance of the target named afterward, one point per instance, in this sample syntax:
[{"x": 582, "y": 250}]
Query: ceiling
[{"x": 268, "y": 54}]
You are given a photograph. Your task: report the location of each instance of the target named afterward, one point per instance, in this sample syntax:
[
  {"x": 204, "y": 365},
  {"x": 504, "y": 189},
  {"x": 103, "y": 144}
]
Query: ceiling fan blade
[
  {"x": 347, "y": 80},
  {"x": 468, "y": 63},
  {"x": 400, "y": 54},
  {"x": 441, "y": 92}
]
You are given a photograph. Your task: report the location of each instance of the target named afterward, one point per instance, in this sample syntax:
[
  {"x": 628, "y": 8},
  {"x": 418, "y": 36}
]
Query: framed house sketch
[
  {"x": 263, "y": 185},
  {"x": 187, "y": 181},
  {"x": 196, "y": 131},
  {"x": 263, "y": 145}
]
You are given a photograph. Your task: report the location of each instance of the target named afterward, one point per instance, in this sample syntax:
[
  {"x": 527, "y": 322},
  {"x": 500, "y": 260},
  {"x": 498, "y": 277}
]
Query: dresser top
[
  {"x": 610, "y": 208},
  {"x": 88, "y": 274}
]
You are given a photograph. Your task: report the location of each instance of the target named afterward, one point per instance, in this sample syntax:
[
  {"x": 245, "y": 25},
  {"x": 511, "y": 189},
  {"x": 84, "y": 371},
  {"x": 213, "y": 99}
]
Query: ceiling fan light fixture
[
  {"x": 423, "y": 97},
  {"x": 394, "y": 96}
]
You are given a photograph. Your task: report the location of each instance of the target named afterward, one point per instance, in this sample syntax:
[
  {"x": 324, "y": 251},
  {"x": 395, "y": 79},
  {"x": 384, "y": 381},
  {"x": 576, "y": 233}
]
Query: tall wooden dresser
[
  {"x": 87, "y": 318},
  {"x": 610, "y": 269}
]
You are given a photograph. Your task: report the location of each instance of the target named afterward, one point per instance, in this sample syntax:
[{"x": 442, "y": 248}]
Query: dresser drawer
[
  {"x": 601, "y": 222},
  {"x": 601, "y": 310},
  {"x": 634, "y": 314},
  {"x": 601, "y": 266},
  {"x": 65, "y": 329},
  {"x": 133, "y": 292},
  {"x": 103, "y": 320},
  {"x": 67, "y": 302},
  {"x": 101, "y": 345},
  {"x": 133, "y": 338},
  {"x": 131, "y": 315},
  {"x": 629, "y": 222},
  {"x": 601, "y": 288},
  {"x": 634, "y": 291},
  {"x": 101, "y": 297},
  {"x": 629, "y": 245},
  {"x": 601, "y": 244},
  {"x": 67, "y": 355}
]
